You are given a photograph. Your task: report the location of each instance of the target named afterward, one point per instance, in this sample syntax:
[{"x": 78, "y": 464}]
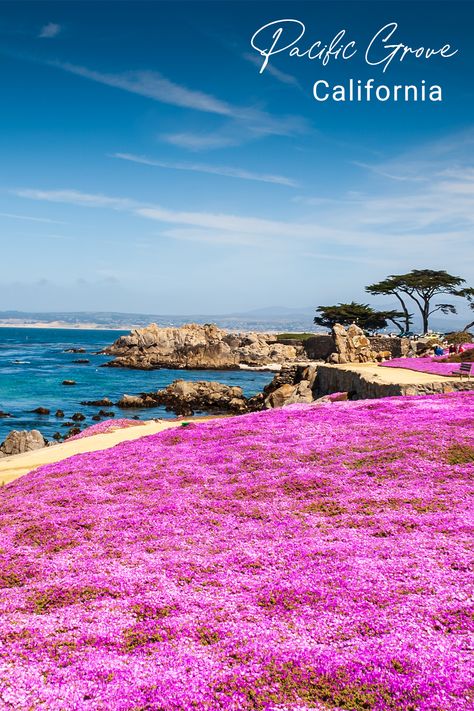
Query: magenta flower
[{"x": 313, "y": 557}]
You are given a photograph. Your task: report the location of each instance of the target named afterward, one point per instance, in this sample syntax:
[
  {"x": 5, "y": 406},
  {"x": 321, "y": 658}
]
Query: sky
[{"x": 146, "y": 165}]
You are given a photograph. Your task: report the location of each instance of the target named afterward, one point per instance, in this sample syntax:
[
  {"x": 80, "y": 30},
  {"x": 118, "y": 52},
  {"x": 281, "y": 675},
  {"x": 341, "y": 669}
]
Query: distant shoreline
[{"x": 66, "y": 326}]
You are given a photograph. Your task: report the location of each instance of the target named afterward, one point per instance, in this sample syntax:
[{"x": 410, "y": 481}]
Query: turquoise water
[{"x": 33, "y": 365}]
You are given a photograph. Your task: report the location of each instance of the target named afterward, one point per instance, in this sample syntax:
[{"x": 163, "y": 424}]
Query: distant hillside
[{"x": 261, "y": 319}]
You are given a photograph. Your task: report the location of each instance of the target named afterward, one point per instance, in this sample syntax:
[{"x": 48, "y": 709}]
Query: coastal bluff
[{"x": 199, "y": 347}]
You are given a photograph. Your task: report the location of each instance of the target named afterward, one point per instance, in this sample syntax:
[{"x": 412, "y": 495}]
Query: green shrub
[
  {"x": 294, "y": 336},
  {"x": 458, "y": 337}
]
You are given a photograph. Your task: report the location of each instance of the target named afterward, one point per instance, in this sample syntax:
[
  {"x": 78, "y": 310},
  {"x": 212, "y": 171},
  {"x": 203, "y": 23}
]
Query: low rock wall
[{"x": 362, "y": 386}]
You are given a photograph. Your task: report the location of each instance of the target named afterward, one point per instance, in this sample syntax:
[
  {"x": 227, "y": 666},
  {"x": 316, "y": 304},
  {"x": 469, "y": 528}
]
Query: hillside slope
[{"x": 309, "y": 557}]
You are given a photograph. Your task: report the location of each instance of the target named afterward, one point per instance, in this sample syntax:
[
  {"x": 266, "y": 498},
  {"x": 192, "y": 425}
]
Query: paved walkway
[
  {"x": 13, "y": 467},
  {"x": 401, "y": 376}
]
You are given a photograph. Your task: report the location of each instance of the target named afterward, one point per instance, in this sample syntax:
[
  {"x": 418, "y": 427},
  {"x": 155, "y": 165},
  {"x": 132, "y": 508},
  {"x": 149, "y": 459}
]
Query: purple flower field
[
  {"x": 104, "y": 427},
  {"x": 422, "y": 365},
  {"x": 313, "y": 557}
]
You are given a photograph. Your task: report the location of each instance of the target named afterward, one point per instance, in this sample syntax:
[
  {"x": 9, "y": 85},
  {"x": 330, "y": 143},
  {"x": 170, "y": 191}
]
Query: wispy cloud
[
  {"x": 204, "y": 220},
  {"x": 154, "y": 86},
  {"x": 282, "y": 77},
  {"x": 201, "y": 141},
  {"x": 12, "y": 216},
  {"x": 219, "y": 238},
  {"x": 50, "y": 30},
  {"x": 225, "y": 171},
  {"x": 385, "y": 173},
  {"x": 417, "y": 223},
  {"x": 157, "y": 87},
  {"x": 74, "y": 197}
]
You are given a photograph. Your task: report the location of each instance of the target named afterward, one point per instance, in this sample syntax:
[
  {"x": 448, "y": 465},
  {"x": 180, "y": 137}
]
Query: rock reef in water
[
  {"x": 185, "y": 398},
  {"x": 197, "y": 346}
]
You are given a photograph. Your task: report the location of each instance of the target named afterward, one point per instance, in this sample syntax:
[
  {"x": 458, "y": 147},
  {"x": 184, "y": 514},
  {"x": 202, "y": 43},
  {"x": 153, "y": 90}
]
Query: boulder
[
  {"x": 136, "y": 401},
  {"x": 352, "y": 345},
  {"x": 59, "y": 413},
  {"x": 184, "y": 397},
  {"x": 78, "y": 417},
  {"x": 20, "y": 441},
  {"x": 291, "y": 385},
  {"x": 198, "y": 346},
  {"x": 72, "y": 432},
  {"x": 68, "y": 382},
  {"x": 75, "y": 350},
  {"x": 104, "y": 402},
  {"x": 41, "y": 411},
  {"x": 289, "y": 394},
  {"x": 5, "y": 414}
]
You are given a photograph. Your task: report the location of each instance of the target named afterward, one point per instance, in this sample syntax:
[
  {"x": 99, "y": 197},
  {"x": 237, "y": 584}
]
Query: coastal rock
[
  {"x": 104, "y": 402},
  {"x": 291, "y": 385},
  {"x": 75, "y": 350},
  {"x": 5, "y": 414},
  {"x": 41, "y": 411},
  {"x": 137, "y": 401},
  {"x": 352, "y": 345},
  {"x": 59, "y": 413},
  {"x": 184, "y": 397},
  {"x": 78, "y": 417},
  {"x": 20, "y": 441},
  {"x": 73, "y": 431},
  {"x": 81, "y": 361},
  {"x": 68, "y": 382},
  {"x": 198, "y": 346}
]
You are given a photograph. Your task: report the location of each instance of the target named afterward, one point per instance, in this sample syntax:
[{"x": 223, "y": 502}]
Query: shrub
[{"x": 459, "y": 337}]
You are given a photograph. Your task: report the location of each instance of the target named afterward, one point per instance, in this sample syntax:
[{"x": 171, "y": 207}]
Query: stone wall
[
  {"x": 397, "y": 347},
  {"x": 319, "y": 347},
  {"x": 361, "y": 386}
]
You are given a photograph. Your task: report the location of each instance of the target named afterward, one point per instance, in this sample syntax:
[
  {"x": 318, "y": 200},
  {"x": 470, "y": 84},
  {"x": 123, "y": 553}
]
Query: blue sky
[{"x": 146, "y": 165}]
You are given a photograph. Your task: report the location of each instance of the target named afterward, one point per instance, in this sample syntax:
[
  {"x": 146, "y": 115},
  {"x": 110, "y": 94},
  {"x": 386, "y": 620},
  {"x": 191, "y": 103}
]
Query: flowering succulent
[
  {"x": 422, "y": 365},
  {"x": 104, "y": 427},
  {"x": 312, "y": 557}
]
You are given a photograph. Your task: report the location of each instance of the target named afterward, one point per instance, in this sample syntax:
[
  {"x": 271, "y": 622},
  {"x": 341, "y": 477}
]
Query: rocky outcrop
[
  {"x": 199, "y": 346},
  {"x": 41, "y": 411},
  {"x": 352, "y": 345},
  {"x": 290, "y": 385},
  {"x": 19, "y": 441},
  {"x": 184, "y": 398},
  {"x": 103, "y": 402}
]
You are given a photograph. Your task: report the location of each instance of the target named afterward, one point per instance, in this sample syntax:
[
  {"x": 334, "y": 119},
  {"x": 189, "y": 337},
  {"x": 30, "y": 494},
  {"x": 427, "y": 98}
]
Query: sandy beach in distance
[{"x": 64, "y": 325}]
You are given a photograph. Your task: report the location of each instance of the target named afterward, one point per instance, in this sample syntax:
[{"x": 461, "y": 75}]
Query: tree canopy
[
  {"x": 468, "y": 293},
  {"x": 421, "y": 286},
  {"x": 361, "y": 314}
]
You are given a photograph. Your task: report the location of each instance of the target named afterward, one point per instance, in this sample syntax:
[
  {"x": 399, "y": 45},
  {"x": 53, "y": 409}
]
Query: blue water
[{"x": 33, "y": 365}]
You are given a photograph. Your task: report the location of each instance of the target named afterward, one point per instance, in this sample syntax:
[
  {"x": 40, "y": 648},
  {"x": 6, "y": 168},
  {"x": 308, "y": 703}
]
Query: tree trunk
[
  {"x": 426, "y": 316},
  {"x": 405, "y": 311},
  {"x": 469, "y": 325}
]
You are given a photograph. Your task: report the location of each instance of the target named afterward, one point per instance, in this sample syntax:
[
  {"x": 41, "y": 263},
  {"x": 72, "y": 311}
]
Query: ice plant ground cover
[
  {"x": 313, "y": 557},
  {"x": 423, "y": 365},
  {"x": 104, "y": 427}
]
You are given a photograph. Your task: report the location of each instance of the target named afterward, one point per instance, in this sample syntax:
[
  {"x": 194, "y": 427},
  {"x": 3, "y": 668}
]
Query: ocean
[{"x": 34, "y": 362}]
